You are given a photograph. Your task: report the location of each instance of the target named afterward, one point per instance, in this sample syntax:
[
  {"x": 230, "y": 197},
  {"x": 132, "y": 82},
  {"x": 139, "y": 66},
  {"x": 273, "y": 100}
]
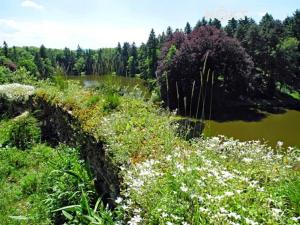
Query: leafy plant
[
  {"x": 112, "y": 101},
  {"x": 25, "y": 132},
  {"x": 84, "y": 214}
]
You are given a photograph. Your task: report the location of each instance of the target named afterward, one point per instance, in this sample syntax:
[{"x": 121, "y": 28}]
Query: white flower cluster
[
  {"x": 16, "y": 92},
  {"x": 214, "y": 174}
]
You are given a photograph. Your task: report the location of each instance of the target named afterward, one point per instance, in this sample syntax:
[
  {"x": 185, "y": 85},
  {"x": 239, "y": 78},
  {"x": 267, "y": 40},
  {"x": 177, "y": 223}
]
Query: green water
[
  {"x": 273, "y": 128},
  {"x": 270, "y": 127},
  {"x": 130, "y": 83}
]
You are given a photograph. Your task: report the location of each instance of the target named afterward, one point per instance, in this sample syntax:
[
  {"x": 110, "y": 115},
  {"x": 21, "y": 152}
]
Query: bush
[
  {"x": 24, "y": 132},
  {"x": 112, "y": 101}
]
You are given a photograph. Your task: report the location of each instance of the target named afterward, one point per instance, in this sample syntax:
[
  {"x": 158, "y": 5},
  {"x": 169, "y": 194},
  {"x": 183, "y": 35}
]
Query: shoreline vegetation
[{"x": 203, "y": 181}]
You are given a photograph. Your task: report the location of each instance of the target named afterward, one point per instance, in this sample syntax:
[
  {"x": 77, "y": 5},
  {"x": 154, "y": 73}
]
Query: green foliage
[
  {"x": 112, "y": 101},
  {"x": 289, "y": 191},
  {"x": 84, "y": 214},
  {"x": 4, "y": 74},
  {"x": 24, "y": 132},
  {"x": 59, "y": 79},
  {"x": 22, "y": 184}
]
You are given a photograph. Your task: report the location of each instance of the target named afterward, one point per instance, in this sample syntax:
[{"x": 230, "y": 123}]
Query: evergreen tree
[
  {"x": 169, "y": 33},
  {"x": 89, "y": 61},
  {"x": 14, "y": 54},
  {"x": 152, "y": 55},
  {"x": 5, "y": 49},
  {"x": 39, "y": 64},
  {"x": 200, "y": 23},
  {"x": 188, "y": 28},
  {"x": 125, "y": 57},
  {"x": 216, "y": 23},
  {"x": 43, "y": 52},
  {"x": 231, "y": 27},
  {"x": 79, "y": 52}
]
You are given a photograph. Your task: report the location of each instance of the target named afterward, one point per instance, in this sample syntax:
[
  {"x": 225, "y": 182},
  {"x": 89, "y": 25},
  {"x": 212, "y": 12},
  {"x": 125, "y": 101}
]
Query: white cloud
[
  {"x": 57, "y": 34},
  {"x": 32, "y": 4}
]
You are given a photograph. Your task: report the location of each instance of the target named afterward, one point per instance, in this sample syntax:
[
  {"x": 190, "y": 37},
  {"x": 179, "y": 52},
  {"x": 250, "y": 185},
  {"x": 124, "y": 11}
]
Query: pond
[
  {"x": 283, "y": 126},
  {"x": 129, "y": 82}
]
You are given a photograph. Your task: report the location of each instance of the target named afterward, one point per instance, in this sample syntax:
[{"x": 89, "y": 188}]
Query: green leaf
[{"x": 19, "y": 217}]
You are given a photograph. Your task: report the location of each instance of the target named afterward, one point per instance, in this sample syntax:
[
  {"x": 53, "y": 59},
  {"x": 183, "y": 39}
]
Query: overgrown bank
[{"x": 167, "y": 180}]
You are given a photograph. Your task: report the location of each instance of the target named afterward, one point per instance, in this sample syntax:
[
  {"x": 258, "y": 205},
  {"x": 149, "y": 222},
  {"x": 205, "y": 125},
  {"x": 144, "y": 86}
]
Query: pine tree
[
  {"x": 14, "y": 54},
  {"x": 43, "y": 52},
  {"x": 152, "y": 56},
  {"x": 188, "y": 28},
  {"x": 200, "y": 23},
  {"x": 216, "y": 23},
  {"x": 39, "y": 64},
  {"x": 231, "y": 27},
  {"x": 79, "y": 52},
  {"x": 5, "y": 49},
  {"x": 169, "y": 33}
]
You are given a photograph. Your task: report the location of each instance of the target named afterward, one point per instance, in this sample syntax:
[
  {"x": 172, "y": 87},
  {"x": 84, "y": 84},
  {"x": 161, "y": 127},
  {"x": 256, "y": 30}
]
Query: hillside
[{"x": 161, "y": 177}]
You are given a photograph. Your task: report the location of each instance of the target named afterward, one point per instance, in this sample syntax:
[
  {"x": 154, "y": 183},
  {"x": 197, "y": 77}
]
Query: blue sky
[{"x": 103, "y": 23}]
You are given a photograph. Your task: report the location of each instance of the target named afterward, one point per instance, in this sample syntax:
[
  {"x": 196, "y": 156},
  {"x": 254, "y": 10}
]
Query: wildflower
[
  {"x": 185, "y": 223},
  {"x": 228, "y": 193},
  {"x": 135, "y": 220},
  {"x": 279, "y": 144},
  {"x": 184, "y": 188},
  {"x": 247, "y": 160},
  {"x": 250, "y": 222},
  {"x": 164, "y": 215},
  {"x": 119, "y": 200},
  {"x": 295, "y": 219},
  {"x": 276, "y": 213},
  {"x": 234, "y": 215}
]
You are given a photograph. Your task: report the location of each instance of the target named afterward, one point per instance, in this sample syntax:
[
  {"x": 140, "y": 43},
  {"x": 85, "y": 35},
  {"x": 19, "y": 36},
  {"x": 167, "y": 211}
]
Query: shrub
[
  {"x": 24, "y": 132},
  {"x": 112, "y": 101}
]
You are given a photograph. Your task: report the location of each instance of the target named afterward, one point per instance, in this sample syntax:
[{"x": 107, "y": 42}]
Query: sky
[{"x": 104, "y": 23}]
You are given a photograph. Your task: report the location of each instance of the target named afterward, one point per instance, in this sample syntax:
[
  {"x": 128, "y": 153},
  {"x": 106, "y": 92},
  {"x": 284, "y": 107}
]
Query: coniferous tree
[
  {"x": 200, "y": 23},
  {"x": 216, "y": 23},
  {"x": 5, "y": 49},
  {"x": 188, "y": 28},
  {"x": 152, "y": 55},
  {"x": 169, "y": 33},
  {"x": 231, "y": 27},
  {"x": 43, "y": 52}
]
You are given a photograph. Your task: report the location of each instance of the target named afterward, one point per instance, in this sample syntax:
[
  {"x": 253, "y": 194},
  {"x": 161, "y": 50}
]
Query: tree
[
  {"x": 287, "y": 58},
  {"x": 177, "y": 71},
  {"x": 242, "y": 28},
  {"x": 216, "y": 23},
  {"x": 132, "y": 60},
  {"x": 14, "y": 54},
  {"x": 152, "y": 55},
  {"x": 188, "y": 28},
  {"x": 231, "y": 27},
  {"x": 201, "y": 23},
  {"x": 79, "y": 52},
  {"x": 142, "y": 60},
  {"x": 39, "y": 64},
  {"x": 169, "y": 33},
  {"x": 5, "y": 49},
  {"x": 43, "y": 52},
  {"x": 271, "y": 32},
  {"x": 89, "y": 61}
]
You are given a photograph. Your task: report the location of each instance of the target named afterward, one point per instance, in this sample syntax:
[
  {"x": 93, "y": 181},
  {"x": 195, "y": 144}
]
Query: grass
[{"x": 166, "y": 179}]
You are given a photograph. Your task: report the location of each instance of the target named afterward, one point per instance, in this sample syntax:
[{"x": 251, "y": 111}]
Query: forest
[{"x": 249, "y": 59}]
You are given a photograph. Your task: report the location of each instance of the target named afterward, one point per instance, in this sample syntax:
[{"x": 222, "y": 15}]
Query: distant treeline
[{"x": 272, "y": 44}]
